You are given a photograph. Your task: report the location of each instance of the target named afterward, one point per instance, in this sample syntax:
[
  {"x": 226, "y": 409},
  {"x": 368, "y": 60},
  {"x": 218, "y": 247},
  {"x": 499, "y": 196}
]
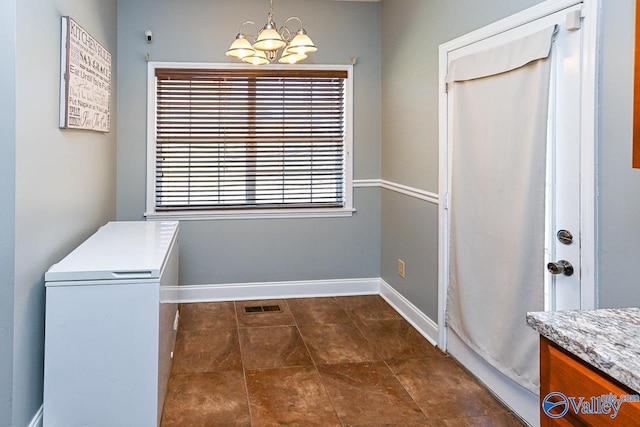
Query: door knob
[{"x": 560, "y": 267}]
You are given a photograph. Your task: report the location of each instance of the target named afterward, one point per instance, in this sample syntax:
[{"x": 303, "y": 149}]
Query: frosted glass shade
[
  {"x": 269, "y": 40},
  {"x": 291, "y": 58},
  {"x": 258, "y": 58},
  {"x": 240, "y": 48},
  {"x": 301, "y": 44}
]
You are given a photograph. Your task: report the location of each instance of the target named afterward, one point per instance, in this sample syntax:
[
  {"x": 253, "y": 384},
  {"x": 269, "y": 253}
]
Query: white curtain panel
[{"x": 497, "y": 211}]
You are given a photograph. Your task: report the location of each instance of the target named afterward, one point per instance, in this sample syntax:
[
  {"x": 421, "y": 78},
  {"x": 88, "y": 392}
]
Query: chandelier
[{"x": 270, "y": 43}]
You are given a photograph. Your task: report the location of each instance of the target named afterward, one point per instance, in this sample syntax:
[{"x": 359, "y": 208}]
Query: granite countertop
[{"x": 607, "y": 339}]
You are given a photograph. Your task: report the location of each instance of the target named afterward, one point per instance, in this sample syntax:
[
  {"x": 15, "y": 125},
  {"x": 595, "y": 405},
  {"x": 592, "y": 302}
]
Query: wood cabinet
[
  {"x": 579, "y": 388},
  {"x": 636, "y": 97}
]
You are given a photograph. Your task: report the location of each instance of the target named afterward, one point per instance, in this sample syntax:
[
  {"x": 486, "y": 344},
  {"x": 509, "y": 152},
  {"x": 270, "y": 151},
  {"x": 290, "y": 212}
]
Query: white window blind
[{"x": 249, "y": 139}]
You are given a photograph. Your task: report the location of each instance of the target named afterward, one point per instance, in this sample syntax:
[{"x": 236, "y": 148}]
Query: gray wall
[
  {"x": 64, "y": 183},
  {"x": 7, "y": 200},
  {"x": 409, "y": 234},
  {"x": 256, "y": 250},
  {"x": 619, "y": 184}
]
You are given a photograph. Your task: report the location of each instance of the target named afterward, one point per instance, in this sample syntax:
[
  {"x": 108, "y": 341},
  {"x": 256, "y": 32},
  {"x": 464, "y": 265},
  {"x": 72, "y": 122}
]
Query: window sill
[{"x": 252, "y": 214}]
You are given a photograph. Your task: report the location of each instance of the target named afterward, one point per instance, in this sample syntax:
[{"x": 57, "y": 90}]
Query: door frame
[{"x": 588, "y": 151}]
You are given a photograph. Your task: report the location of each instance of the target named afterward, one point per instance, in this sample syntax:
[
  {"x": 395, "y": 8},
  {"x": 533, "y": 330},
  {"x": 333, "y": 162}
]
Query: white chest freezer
[{"x": 109, "y": 334}]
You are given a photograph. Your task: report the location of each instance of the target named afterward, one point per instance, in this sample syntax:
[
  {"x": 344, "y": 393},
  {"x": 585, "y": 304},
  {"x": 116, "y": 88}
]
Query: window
[{"x": 236, "y": 141}]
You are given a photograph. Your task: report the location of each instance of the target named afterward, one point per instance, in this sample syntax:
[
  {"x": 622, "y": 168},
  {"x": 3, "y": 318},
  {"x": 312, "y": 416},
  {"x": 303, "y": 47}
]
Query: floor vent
[{"x": 256, "y": 309}]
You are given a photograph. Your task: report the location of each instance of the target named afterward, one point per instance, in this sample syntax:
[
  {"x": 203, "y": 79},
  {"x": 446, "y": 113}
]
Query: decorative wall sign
[{"x": 85, "y": 82}]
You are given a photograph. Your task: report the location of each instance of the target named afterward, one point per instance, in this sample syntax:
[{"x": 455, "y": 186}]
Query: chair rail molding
[{"x": 417, "y": 193}]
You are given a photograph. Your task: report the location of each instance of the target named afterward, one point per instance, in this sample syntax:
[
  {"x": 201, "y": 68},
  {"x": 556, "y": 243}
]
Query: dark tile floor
[{"x": 343, "y": 361}]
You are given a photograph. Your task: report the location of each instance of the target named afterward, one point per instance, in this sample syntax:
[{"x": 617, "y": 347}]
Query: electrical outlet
[{"x": 401, "y": 268}]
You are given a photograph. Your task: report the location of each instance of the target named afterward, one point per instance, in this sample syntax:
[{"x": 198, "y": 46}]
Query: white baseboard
[
  {"x": 273, "y": 290},
  {"x": 423, "y": 324},
  {"x": 36, "y": 421}
]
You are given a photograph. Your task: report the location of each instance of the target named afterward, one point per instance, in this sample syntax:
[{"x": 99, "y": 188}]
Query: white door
[{"x": 562, "y": 240}]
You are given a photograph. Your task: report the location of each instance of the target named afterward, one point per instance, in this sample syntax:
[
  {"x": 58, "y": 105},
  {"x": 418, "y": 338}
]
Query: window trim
[{"x": 151, "y": 213}]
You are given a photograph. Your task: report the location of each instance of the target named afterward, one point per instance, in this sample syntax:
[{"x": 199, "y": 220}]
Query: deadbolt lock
[
  {"x": 560, "y": 267},
  {"x": 565, "y": 236}
]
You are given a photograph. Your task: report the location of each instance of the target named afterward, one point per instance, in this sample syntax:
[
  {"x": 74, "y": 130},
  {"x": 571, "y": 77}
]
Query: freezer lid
[{"x": 118, "y": 250}]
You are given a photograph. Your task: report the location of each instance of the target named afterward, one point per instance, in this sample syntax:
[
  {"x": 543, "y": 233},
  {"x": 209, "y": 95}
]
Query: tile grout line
[
  {"x": 386, "y": 363},
  {"x": 315, "y": 365},
  {"x": 244, "y": 371},
  {"x": 405, "y": 390},
  {"x": 388, "y": 367}
]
